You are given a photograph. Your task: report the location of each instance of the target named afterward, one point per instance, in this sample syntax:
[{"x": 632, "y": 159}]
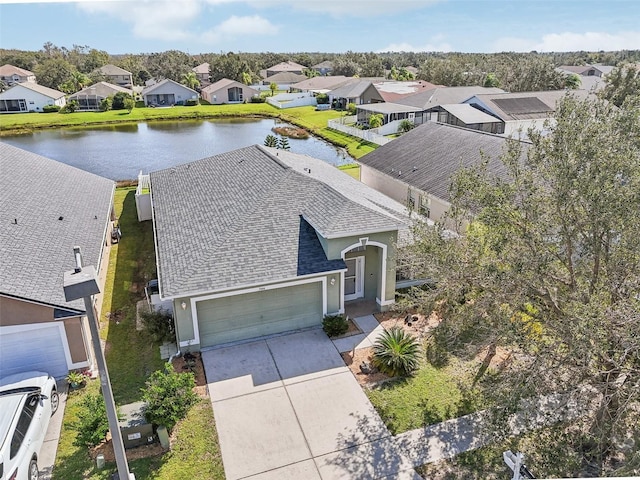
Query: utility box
[{"x": 134, "y": 427}]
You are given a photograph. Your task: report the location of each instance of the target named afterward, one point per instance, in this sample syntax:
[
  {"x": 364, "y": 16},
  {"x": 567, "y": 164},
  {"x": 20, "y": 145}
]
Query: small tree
[
  {"x": 118, "y": 102},
  {"x": 283, "y": 143},
  {"x": 405, "y": 126},
  {"x": 491, "y": 80},
  {"x": 271, "y": 141},
  {"x": 168, "y": 396},
  {"x": 69, "y": 107},
  {"x": 160, "y": 325},
  {"x": 375, "y": 120},
  {"x": 572, "y": 81},
  {"x": 273, "y": 86},
  {"x": 351, "y": 108},
  {"x": 106, "y": 104},
  {"x": 92, "y": 423},
  {"x": 129, "y": 103},
  {"x": 246, "y": 78}
]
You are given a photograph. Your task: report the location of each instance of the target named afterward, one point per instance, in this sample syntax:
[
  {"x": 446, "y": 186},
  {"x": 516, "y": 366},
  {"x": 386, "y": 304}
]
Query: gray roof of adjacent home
[
  {"x": 426, "y": 99},
  {"x": 225, "y": 82},
  {"x": 47, "y": 208},
  {"x": 325, "y": 64},
  {"x": 101, "y": 89},
  {"x": 112, "y": 70},
  {"x": 155, "y": 86},
  {"x": 525, "y": 105},
  {"x": 246, "y": 217},
  {"x": 428, "y": 156},
  {"x": 202, "y": 68},
  {"x": 7, "y": 70},
  {"x": 322, "y": 83},
  {"x": 287, "y": 66},
  {"x": 284, "y": 77},
  {"x": 41, "y": 89},
  {"x": 388, "y": 108},
  {"x": 353, "y": 89},
  {"x": 468, "y": 114}
]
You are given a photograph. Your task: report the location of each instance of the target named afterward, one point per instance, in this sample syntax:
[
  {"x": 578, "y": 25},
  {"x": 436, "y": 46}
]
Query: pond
[{"x": 120, "y": 151}]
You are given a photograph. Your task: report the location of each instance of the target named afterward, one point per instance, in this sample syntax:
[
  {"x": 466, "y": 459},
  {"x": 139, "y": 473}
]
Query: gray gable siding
[
  {"x": 35, "y": 252},
  {"x": 427, "y": 157},
  {"x": 239, "y": 219}
]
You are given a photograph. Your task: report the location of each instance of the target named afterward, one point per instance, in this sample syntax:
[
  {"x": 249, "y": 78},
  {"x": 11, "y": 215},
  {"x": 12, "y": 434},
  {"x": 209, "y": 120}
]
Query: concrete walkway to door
[{"x": 287, "y": 407}]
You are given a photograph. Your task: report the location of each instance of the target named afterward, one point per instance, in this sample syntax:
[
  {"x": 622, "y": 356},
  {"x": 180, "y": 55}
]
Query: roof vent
[
  {"x": 15, "y": 221},
  {"x": 60, "y": 217}
]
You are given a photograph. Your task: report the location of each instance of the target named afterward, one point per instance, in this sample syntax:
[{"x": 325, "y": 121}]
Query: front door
[{"x": 354, "y": 278}]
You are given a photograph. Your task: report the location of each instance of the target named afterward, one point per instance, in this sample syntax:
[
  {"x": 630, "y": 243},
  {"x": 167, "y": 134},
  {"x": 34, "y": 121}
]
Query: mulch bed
[
  {"x": 354, "y": 359},
  {"x": 417, "y": 324},
  {"x": 352, "y": 330},
  {"x": 193, "y": 363}
]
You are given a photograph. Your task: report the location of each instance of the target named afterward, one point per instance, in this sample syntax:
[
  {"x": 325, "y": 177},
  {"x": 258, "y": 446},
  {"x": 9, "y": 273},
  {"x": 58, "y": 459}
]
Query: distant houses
[
  {"x": 30, "y": 97},
  {"x": 11, "y": 75}
]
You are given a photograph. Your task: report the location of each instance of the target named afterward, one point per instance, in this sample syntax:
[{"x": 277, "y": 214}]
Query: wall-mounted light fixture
[
  {"x": 184, "y": 305},
  {"x": 332, "y": 281}
]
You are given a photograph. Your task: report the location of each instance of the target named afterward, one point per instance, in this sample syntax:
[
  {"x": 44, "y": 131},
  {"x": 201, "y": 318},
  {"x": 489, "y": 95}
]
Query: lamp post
[{"x": 82, "y": 282}]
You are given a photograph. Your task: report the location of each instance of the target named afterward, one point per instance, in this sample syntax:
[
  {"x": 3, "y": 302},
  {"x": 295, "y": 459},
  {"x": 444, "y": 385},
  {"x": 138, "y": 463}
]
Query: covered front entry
[
  {"x": 233, "y": 318},
  {"x": 354, "y": 278}
]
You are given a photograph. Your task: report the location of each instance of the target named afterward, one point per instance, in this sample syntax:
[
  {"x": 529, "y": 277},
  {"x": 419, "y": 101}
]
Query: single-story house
[
  {"x": 47, "y": 209},
  {"x": 10, "y": 75},
  {"x": 465, "y": 115},
  {"x": 227, "y": 91},
  {"x": 116, "y": 75},
  {"x": 587, "y": 70},
  {"x": 167, "y": 93},
  {"x": 29, "y": 97},
  {"x": 392, "y": 90},
  {"x": 284, "y": 79},
  {"x": 202, "y": 72},
  {"x": 416, "y": 168},
  {"x": 321, "y": 84},
  {"x": 523, "y": 110},
  {"x": 265, "y": 243},
  {"x": 323, "y": 68},
  {"x": 427, "y": 99},
  {"x": 359, "y": 92},
  {"x": 89, "y": 98},
  {"x": 285, "y": 67}
]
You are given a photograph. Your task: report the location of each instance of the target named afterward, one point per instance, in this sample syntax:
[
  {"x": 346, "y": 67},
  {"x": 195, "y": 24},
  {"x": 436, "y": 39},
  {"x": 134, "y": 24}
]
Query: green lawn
[
  {"x": 131, "y": 357},
  {"x": 432, "y": 395}
]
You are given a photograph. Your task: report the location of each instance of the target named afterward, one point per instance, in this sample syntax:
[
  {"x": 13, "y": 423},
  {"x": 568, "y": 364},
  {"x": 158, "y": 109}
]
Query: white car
[{"x": 27, "y": 401}]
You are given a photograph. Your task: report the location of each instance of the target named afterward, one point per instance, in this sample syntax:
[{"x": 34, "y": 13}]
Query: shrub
[
  {"x": 50, "y": 108},
  {"x": 119, "y": 99},
  {"x": 192, "y": 102},
  {"x": 160, "y": 325},
  {"x": 106, "y": 103},
  {"x": 168, "y": 396},
  {"x": 351, "y": 108},
  {"x": 322, "y": 99},
  {"x": 69, "y": 107},
  {"x": 405, "y": 126},
  {"x": 335, "y": 325},
  {"x": 396, "y": 352},
  {"x": 258, "y": 99},
  {"x": 92, "y": 423}
]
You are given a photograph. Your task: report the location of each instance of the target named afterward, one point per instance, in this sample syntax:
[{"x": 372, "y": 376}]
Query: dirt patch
[
  {"x": 355, "y": 359},
  {"x": 417, "y": 324},
  {"x": 191, "y": 362},
  {"x": 145, "y": 451},
  {"x": 501, "y": 359},
  {"x": 291, "y": 132}
]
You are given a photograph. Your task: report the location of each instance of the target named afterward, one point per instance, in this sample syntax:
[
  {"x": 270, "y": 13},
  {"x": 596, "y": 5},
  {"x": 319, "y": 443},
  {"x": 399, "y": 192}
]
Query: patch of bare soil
[
  {"x": 144, "y": 451},
  {"x": 500, "y": 360},
  {"x": 417, "y": 324},
  {"x": 355, "y": 359}
]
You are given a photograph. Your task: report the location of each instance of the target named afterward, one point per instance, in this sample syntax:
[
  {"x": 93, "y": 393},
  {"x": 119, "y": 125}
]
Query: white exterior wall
[{"x": 34, "y": 100}]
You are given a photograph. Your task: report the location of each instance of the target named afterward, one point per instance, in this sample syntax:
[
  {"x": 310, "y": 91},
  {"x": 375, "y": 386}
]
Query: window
[
  {"x": 411, "y": 202},
  {"x": 425, "y": 206},
  {"x": 23, "y": 423}
]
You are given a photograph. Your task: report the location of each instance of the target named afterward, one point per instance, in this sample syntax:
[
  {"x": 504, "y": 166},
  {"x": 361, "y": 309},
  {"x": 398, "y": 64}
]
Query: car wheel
[
  {"x": 55, "y": 402},
  {"x": 33, "y": 470}
]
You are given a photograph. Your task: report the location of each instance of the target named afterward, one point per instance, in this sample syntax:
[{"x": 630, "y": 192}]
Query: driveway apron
[{"x": 288, "y": 408}]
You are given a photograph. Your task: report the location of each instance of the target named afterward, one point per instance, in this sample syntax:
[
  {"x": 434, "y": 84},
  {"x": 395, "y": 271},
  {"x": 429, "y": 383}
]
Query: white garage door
[{"x": 32, "y": 349}]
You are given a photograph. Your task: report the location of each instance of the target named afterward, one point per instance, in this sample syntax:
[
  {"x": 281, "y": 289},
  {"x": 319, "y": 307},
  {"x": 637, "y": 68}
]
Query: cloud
[
  {"x": 569, "y": 41},
  {"x": 352, "y": 8},
  {"x": 406, "y": 47},
  {"x": 172, "y": 20}
]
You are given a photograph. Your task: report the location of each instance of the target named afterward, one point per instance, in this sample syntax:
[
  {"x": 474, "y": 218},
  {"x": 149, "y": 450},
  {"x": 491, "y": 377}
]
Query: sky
[{"x": 214, "y": 26}]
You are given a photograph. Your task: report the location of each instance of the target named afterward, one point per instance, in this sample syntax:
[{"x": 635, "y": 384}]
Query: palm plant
[
  {"x": 190, "y": 80},
  {"x": 396, "y": 352}
]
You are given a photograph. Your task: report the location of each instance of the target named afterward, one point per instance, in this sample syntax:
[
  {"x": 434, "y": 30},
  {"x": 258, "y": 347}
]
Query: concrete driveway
[{"x": 287, "y": 407}]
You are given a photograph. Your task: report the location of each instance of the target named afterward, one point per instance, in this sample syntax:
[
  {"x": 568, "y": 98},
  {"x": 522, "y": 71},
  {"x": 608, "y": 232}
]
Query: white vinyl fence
[
  {"x": 368, "y": 135},
  {"x": 290, "y": 100}
]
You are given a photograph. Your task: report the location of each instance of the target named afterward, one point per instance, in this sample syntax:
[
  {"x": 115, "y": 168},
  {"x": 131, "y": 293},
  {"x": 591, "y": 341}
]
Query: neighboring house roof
[
  {"x": 245, "y": 217},
  {"x": 155, "y": 86},
  {"x": 444, "y": 96},
  {"x": 353, "y": 89},
  {"x": 46, "y": 91},
  {"x": 322, "y": 84},
  {"x": 112, "y": 70},
  {"x": 468, "y": 114},
  {"x": 287, "y": 66},
  {"x": 101, "y": 89},
  {"x": 525, "y": 105},
  {"x": 9, "y": 70},
  {"x": 392, "y": 91},
  {"x": 327, "y": 64},
  {"x": 203, "y": 68},
  {"x": 285, "y": 77},
  {"x": 583, "y": 69},
  {"x": 225, "y": 82},
  {"x": 388, "y": 108},
  {"x": 411, "y": 69},
  {"x": 428, "y": 156},
  {"x": 47, "y": 208}
]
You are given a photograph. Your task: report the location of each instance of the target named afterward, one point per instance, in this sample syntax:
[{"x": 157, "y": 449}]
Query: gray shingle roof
[
  {"x": 112, "y": 70},
  {"x": 444, "y": 95},
  {"x": 241, "y": 218},
  {"x": 41, "y": 89},
  {"x": 353, "y": 89},
  {"x": 428, "y": 156},
  {"x": 102, "y": 89},
  {"x": 34, "y": 253}
]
